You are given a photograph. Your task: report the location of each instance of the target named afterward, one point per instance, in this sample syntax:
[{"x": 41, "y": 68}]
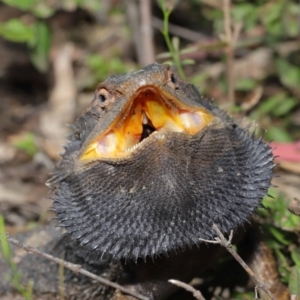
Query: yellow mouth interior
[{"x": 148, "y": 113}]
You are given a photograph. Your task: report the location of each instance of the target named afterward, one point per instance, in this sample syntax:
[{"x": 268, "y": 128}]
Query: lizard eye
[{"x": 103, "y": 95}]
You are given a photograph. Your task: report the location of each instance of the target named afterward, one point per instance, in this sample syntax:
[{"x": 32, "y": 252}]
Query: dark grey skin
[
  {"x": 168, "y": 193},
  {"x": 148, "y": 278},
  {"x": 146, "y": 212}
]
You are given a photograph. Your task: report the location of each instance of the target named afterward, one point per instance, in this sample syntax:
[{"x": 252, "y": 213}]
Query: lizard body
[{"x": 150, "y": 167}]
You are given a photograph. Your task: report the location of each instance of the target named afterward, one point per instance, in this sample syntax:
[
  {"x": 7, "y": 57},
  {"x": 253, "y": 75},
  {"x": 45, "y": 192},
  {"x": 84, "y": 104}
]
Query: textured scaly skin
[{"x": 168, "y": 193}]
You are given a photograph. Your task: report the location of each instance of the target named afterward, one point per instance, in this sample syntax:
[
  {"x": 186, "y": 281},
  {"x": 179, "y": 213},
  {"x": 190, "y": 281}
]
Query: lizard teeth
[
  {"x": 131, "y": 148},
  {"x": 145, "y": 119}
]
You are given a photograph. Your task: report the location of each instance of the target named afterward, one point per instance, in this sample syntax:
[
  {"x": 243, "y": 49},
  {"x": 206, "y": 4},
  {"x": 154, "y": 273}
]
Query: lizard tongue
[
  {"x": 192, "y": 122},
  {"x": 108, "y": 144}
]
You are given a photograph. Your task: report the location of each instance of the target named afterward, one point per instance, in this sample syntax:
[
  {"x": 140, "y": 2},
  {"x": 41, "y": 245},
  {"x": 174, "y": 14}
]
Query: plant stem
[
  {"x": 15, "y": 277},
  {"x": 174, "y": 53}
]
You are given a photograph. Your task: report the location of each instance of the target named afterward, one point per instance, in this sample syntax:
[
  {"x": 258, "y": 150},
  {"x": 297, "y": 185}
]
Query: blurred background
[{"x": 53, "y": 53}]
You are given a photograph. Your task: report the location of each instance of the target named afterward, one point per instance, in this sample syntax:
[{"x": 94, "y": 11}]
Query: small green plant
[
  {"x": 102, "y": 68},
  {"x": 279, "y": 226},
  {"x": 173, "y": 45},
  {"x": 27, "y": 144},
  {"x": 36, "y": 7},
  {"x": 35, "y": 35},
  {"x": 277, "y": 107},
  {"x": 15, "y": 276},
  {"x": 278, "y": 20}
]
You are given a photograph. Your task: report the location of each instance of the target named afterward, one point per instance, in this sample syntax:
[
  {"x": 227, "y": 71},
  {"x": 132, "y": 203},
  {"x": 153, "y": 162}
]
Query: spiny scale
[{"x": 168, "y": 193}]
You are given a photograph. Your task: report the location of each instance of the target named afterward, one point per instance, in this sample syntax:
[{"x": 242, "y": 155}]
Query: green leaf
[
  {"x": 16, "y": 31},
  {"x": 213, "y": 14},
  {"x": 283, "y": 266},
  {"x": 42, "y": 10},
  {"x": 270, "y": 202},
  {"x": 272, "y": 192},
  {"x": 291, "y": 19},
  {"x": 27, "y": 144},
  {"x": 268, "y": 105},
  {"x": 285, "y": 107},
  {"x": 281, "y": 216},
  {"x": 241, "y": 11},
  {"x": 296, "y": 257},
  {"x": 91, "y": 5},
  {"x": 188, "y": 61},
  {"x": 294, "y": 282},
  {"x": 4, "y": 243},
  {"x": 176, "y": 43},
  {"x": 40, "y": 47},
  {"x": 235, "y": 108},
  {"x": 271, "y": 17},
  {"x": 164, "y": 55},
  {"x": 167, "y": 5},
  {"x": 278, "y": 235},
  {"x": 102, "y": 67},
  {"x": 246, "y": 13},
  {"x": 21, "y": 4},
  {"x": 274, "y": 12},
  {"x": 246, "y": 84},
  {"x": 287, "y": 221},
  {"x": 289, "y": 74},
  {"x": 278, "y": 134}
]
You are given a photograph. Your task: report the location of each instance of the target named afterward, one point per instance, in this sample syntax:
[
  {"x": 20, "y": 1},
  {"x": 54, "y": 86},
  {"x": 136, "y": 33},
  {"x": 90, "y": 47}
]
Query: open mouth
[{"x": 151, "y": 110}]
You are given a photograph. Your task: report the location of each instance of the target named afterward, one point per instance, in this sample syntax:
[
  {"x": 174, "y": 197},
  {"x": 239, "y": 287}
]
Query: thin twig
[
  {"x": 237, "y": 28},
  {"x": 227, "y": 19},
  {"x": 189, "y": 288},
  {"x": 133, "y": 19},
  {"x": 229, "y": 50},
  {"x": 146, "y": 33},
  {"x": 61, "y": 284},
  {"x": 227, "y": 244},
  {"x": 140, "y": 20},
  {"x": 75, "y": 268}
]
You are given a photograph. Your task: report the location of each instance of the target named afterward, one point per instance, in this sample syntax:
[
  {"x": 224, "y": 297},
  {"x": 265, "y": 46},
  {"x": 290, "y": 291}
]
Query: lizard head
[
  {"x": 151, "y": 166},
  {"x": 140, "y": 105}
]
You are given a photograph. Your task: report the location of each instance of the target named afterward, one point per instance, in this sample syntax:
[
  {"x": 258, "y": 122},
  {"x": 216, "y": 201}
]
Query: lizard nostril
[{"x": 173, "y": 79}]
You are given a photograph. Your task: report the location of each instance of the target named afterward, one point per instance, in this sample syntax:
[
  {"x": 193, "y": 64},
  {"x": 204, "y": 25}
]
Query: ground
[{"x": 42, "y": 91}]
